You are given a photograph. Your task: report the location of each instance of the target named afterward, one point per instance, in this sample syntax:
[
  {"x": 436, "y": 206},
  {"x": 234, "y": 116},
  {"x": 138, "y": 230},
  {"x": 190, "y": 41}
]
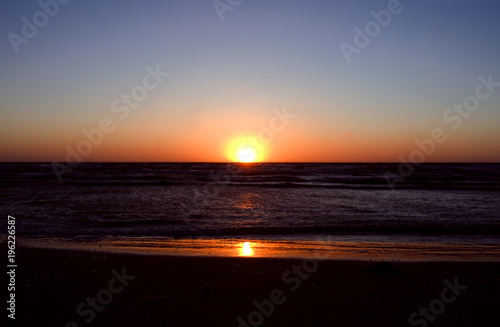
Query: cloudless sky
[{"x": 226, "y": 77}]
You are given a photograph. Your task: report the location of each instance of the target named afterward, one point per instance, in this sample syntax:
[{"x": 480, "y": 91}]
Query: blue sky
[{"x": 264, "y": 55}]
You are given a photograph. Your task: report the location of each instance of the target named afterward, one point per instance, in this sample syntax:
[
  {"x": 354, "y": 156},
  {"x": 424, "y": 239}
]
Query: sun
[
  {"x": 247, "y": 154},
  {"x": 246, "y": 149}
]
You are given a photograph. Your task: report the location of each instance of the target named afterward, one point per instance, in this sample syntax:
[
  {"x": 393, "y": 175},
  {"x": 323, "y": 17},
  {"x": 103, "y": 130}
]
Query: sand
[{"x": 171, "y": 290}]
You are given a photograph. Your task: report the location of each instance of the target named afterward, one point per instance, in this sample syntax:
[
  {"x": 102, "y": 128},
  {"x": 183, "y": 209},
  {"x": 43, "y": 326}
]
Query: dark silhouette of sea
[{"x": 292, "y": 201}]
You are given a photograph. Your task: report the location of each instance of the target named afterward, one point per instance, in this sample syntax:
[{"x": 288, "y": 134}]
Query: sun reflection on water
[
  {"x": 246, "y": 249},
  {"x": 248, "y": 201}
]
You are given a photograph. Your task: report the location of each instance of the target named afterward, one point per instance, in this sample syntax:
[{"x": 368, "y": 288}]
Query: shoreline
[{"x": 259, "y": 248}]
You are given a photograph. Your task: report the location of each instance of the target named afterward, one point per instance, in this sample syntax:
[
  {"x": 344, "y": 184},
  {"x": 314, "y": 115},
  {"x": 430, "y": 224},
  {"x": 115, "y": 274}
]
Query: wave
[
  {"x": 169, "y": 227},
  {"x": 356, "y": 230},
  {"x": 277, "y": 175}
]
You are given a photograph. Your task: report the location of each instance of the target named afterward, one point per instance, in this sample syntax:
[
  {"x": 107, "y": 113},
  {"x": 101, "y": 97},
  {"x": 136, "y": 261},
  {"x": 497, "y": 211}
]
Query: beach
[
  {"x": 127, "y": 244},
  {"x": 160, "y": 244},
  {"x": 169, "y": 290},
  {"x": 235, "y": 163}
]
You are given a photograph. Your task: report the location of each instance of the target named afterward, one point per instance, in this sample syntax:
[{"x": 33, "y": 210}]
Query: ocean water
[{"x": 289, "y": 201}]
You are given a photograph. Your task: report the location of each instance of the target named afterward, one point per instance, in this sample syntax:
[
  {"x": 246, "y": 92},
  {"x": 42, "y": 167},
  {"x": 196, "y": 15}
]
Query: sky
[{"x": 295, "y": 80}]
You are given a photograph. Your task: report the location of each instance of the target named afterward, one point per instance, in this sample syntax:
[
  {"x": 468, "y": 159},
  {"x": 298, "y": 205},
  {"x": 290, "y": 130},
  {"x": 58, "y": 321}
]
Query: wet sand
[
  {"x": 171, "y": 290},
  {"x": 322, "y": 248}
]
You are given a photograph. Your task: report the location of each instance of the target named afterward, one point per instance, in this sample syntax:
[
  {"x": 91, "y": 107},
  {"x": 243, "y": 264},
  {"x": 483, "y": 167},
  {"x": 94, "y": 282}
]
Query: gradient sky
[{"x": 226, "y": 77}]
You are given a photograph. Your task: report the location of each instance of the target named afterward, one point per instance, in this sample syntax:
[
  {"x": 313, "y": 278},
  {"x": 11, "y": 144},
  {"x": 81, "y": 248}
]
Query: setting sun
[
  {"x": 247, "y": 155},
  {"x": 245, "y": 149}
]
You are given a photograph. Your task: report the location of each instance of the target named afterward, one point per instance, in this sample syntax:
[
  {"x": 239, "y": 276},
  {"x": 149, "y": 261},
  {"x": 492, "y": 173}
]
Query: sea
[{"x": 355, "y": 202}]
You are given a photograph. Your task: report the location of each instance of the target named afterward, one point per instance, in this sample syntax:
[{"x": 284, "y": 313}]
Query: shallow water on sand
[{"x": 320, "y": 249}]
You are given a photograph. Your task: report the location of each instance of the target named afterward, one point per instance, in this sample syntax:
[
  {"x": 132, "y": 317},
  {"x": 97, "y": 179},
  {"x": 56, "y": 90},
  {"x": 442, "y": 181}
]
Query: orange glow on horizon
[{"x": 246, "y": 150}]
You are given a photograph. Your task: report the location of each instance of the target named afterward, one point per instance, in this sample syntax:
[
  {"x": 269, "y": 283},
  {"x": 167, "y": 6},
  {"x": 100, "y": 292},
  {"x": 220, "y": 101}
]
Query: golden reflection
[
  {"x": 246, "y": 249},
  {"x": 248, "y": 201}
]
